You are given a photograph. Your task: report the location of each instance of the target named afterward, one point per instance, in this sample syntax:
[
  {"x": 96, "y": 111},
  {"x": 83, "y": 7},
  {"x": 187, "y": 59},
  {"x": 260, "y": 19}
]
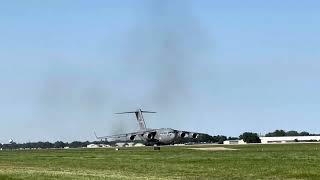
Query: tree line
[
  {"x": 281, "y": 132},
  {"x": 248, "y": 137},
  {"x": 48, "y": 145},
  {"x": 251, "y": 137},
  {"x": 213, "y": 139}
]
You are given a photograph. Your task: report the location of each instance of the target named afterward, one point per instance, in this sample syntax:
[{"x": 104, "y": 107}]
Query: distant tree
[
  {"x": 232, "y": 138},
  {"x": 292, "y": 133},
  {"x": 86, "y": 143},
  {"x": 219, "y": 139},
  {"x": 289, "y": 133},
  {"x": 280, "y": 133},
  {"x": 77, "y": 144},
  {"x": 48, "y": 145},
  {"x": 28, "y": 145},
  {"x": 106, "y": 142},
  {"x": 43, "y": 145},
  {"x": 204, "y": 138},
  {"x": 276, "y": 133},
  {"x": 250, "y": 137},
  {"x": 10, "y": 146},
  {"x": 303, "y": 133},
  {"x": 59, "y": 144}
]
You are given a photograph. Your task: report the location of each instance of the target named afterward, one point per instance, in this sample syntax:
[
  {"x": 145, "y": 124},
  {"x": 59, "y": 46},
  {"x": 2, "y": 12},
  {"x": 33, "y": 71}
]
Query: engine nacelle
[
  {"x": 193, "y": 135},
  {"x": 182, "y": 134},
  {"x": 149, "y": 136},
  {"x": 132, "y": 137}
]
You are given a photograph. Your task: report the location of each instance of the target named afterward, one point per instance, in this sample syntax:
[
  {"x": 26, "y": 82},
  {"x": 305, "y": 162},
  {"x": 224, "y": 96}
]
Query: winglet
[{"x": 96, "y": 135}]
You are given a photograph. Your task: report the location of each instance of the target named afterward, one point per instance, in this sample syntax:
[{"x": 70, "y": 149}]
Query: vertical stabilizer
[{"x": 139, "y": 117}]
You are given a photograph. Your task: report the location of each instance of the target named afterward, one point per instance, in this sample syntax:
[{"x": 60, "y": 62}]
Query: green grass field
[{"x": 288, "y": 161}]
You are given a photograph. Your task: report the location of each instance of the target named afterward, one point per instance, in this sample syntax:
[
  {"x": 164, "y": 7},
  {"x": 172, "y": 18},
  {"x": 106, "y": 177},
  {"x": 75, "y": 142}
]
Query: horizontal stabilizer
[
  {"x": 139, "y": 116},
  {"x": 125, "y": 112},
  {"x": 148, "y": 112},
  {"x": 131, "y": 112}
]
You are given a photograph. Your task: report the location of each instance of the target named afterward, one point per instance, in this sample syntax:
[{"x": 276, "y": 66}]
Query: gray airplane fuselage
[
  {"x": 166, "y": 135},
  {"x": 162, "y": 136},
  {"x": 157, "y": 136}
]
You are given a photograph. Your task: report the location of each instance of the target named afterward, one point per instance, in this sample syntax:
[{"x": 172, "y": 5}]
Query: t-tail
[{"x": 139, "y": 116}]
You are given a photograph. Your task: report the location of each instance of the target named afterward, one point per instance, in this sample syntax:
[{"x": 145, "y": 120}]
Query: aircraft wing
[
  {"x": 187, "y": 134},
  {"x": 127, "y": 136}
]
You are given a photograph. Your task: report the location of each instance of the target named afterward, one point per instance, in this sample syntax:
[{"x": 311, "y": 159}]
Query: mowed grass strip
[
  {"x": 45, "y": 173},
  {"x": 280, "y": 161}
]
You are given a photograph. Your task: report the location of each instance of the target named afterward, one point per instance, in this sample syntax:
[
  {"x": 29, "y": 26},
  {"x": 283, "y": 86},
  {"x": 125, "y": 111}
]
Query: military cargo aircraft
[{"x": 162, "y": 136}]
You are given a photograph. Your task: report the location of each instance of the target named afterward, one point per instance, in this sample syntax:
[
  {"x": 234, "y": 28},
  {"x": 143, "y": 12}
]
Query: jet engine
[
  {"x": 193, "y": 135},
  {"x": 149, "y": 136},
  {"x": 132, "y": 137},
  {"x": 182, "y": 134}
]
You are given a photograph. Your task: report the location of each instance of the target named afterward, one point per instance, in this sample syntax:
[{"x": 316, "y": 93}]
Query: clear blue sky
[{"x": 214, "y": 67}]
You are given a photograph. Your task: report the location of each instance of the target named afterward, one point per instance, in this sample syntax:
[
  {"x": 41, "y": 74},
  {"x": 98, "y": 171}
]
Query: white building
[
  {"x": 234, "y": 142},
  {"x": 139, "y": 145},
  {"x": 92, "y": 146},
  {"x": 288, "y": 139}
]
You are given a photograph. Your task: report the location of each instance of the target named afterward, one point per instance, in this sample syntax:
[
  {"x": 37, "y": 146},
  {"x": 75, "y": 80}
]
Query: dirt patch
[{"x": 214, "y": 149}]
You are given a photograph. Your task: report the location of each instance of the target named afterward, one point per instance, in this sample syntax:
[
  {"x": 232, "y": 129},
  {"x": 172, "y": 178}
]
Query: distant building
[
  {"x": 92, "y": 146},
  {"x": 104, "y": 145},
  {"x": 139, "y": 145},
  {"x": 120, "y": 144},
  {"x": 282, "y": 139},
  {"x": 234, "y": 142},
  {"x": 289, "y": 139},
  {"x": 129, "y": 144}
]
